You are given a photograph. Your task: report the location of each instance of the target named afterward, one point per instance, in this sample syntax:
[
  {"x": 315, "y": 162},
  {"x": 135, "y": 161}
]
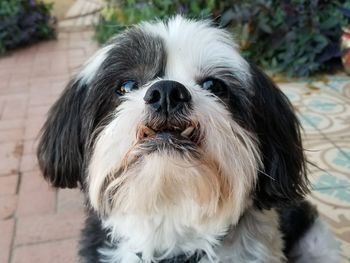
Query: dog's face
[{"x": 169, "y": 119}]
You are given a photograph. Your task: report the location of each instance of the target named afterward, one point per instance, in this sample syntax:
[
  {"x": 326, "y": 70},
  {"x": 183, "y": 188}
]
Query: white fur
[
  {"x": 148, "y": 224},
  {"x": 256, "y": 239},
  {"x": 196, "y": 49},
  {"x": 89, "y": 69},
  {"x": 167, "y": 203},
  {"x": 316, "y": 246}
]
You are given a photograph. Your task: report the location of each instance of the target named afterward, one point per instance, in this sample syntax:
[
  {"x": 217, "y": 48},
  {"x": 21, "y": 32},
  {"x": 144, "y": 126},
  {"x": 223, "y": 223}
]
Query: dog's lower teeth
[
  {"x": 147, "y": 131},
  {"x": 186, "y": 133}
]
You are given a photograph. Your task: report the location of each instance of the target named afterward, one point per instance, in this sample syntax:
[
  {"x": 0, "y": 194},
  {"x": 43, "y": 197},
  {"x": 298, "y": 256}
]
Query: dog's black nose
[{"x": 167, "y": 96}]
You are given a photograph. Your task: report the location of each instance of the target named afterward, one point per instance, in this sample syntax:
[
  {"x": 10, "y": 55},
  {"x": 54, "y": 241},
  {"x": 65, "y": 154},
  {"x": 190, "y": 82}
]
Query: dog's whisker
[{"x": 270, "y": 177}]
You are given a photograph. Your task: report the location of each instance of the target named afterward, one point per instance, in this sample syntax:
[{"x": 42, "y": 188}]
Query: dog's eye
[
  {"x": 208, "y": 84},
  {"x": 214, "y": 85},
  {"x": 127, "y": 86}
]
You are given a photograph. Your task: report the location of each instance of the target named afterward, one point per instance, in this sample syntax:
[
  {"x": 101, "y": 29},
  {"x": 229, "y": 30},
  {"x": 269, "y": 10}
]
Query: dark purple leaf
[
  {"x": 344, "y": 11},
  {"x": 331, "y": 51}
]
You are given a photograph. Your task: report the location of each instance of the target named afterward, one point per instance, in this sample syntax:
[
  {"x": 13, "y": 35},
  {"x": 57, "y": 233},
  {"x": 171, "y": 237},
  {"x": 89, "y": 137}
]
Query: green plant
[
  {"x": 119, "y": 14},
  {"x": 297, "y": 37},
  {"x": 23, "y": 22}
]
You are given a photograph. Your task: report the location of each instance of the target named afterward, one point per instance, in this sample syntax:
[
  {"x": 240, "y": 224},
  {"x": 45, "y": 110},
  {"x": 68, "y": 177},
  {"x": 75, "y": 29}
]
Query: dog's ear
[
  {"x": 60, "y": 149},
  {"x": 283, "y": 177}
]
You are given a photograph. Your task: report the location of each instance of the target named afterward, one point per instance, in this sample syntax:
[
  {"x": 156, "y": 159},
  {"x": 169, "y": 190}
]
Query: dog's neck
[
  {"x": 181, "y": 258},
  {"x": 258, "y": 229},
  {"x": 162, "y": 237}
]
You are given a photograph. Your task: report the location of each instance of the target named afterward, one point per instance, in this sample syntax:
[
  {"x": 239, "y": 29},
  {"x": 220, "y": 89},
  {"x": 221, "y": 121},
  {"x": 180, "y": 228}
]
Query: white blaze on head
[
  {"x": 165, "y": 194},
  {"x": 196, "y": 48}
]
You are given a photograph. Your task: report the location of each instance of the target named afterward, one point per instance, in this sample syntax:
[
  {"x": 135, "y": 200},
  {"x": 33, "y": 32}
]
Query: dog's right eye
[{"x": 126, "y": 87}]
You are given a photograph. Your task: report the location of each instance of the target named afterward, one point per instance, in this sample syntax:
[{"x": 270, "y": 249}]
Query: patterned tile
[
  {"x": 296, "y": 92},
  {"x": 323, "y": 109},
  {"x": 326, "y": 113},
  {"x": 330, "y": 178},
  {"x": 340, "y": 84}
]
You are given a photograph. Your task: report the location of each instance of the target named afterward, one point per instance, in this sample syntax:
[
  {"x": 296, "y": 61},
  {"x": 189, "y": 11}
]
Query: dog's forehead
[
  {"x": 196, "y": 48},
  {"x": 180, "y": 49}
]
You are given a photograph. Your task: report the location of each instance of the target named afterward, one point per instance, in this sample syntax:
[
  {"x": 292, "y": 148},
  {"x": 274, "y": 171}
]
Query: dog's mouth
[{"x": 187, "y": 135}]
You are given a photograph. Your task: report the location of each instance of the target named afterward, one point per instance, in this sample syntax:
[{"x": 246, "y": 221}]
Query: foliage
[
  {"x": 294, "y": 36},
  {"x": 119, "y": 14},
  {"x": 23, "y": 22},
  {"x": 297, "y": 37}
]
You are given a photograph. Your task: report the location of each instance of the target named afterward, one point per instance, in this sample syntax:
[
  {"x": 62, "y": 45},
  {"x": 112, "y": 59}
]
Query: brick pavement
[
  {"x": 82, "y": 14},
  {"x": 37, "y": 222}
]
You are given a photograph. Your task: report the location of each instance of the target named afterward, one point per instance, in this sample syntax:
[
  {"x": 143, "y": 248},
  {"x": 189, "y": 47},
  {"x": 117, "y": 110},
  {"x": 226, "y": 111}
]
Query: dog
[{"x": 185, "y": 152}]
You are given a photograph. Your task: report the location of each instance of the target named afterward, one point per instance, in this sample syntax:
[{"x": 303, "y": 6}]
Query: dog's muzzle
[{"x": 168, "y": 124}]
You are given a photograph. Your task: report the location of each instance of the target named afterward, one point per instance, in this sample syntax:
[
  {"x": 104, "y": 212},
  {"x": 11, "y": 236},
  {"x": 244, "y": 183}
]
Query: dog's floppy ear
[
  {"x": 283, "y": 178},
  {"x": 60, "y": 149}
]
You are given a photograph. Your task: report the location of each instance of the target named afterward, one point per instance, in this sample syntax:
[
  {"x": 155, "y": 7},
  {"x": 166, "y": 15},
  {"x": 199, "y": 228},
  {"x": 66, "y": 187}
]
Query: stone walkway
[
  {"x": 37, "y": 224},
  {"x": 40, "y": 225},
  {"x": 82, "y": 14}
]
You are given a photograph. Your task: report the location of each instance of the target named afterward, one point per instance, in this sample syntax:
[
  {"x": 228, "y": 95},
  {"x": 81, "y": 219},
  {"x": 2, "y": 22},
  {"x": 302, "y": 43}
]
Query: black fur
[
  {"x": 73, "y": 121},
  {"x": 93, "y": 238},
  {"x": 265, "y": 111},
  {"x": 283, "y": 180},
  {"x": 84, "y": 108},
  {"x": 295, "y": 221},
  {"x": 60, "y": 150}
]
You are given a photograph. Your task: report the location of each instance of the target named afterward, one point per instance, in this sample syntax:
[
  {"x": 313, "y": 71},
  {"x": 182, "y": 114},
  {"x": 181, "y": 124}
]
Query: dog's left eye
[
  {"x": 127, "y": 86},
  {"x": 214, "y": 85}
]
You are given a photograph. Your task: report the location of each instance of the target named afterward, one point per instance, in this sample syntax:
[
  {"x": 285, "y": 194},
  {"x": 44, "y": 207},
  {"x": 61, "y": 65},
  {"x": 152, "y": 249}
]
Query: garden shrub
[
  {"x": 119, "y": 14},
  {"x": 24, "y": 22},
  {"x": 297, "y": 37}
]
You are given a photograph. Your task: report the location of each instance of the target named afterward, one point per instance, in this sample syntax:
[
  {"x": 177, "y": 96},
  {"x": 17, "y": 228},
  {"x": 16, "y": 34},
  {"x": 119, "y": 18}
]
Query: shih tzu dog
[{"x": 185, "y": 153}]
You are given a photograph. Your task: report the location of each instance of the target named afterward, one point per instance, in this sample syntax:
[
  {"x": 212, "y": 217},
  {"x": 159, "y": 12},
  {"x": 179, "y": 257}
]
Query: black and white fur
[{"x": 231, "y": 191}]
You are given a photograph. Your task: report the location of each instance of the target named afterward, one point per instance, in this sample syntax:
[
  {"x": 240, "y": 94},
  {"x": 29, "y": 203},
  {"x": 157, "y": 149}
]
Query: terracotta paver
[
  {"x": 8, "y": 184},
  {"x": 53, "y": 252},
  {"x": 35, "y": 196},
  {"x": 8, "y": 205},
  {"x": 7, "y": 227},
  {"x": 9, "y": 157},
  {"x": 82, "y": 14},
  {"x": 49, "y": 227},
  {"x": 37, "y": 223}
]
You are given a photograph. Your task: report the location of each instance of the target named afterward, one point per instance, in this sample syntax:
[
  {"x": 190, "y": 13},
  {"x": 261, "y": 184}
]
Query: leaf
[
  {"x": 344, "y": 11},
  {"x": 296, "y": 36},
  {"x": 331, "y": 51},
  {"x": 329, "y": 23}
]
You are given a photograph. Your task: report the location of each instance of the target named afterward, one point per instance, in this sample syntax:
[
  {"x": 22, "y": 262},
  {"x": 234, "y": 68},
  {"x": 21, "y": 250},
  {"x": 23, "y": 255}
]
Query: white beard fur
[{"x": 255, "y": 239}]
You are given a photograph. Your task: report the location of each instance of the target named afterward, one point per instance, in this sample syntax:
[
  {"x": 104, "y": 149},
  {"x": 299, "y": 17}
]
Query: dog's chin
[
  {"x": 167, "y": 170},
  {"x": 170, "y": 175}
]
